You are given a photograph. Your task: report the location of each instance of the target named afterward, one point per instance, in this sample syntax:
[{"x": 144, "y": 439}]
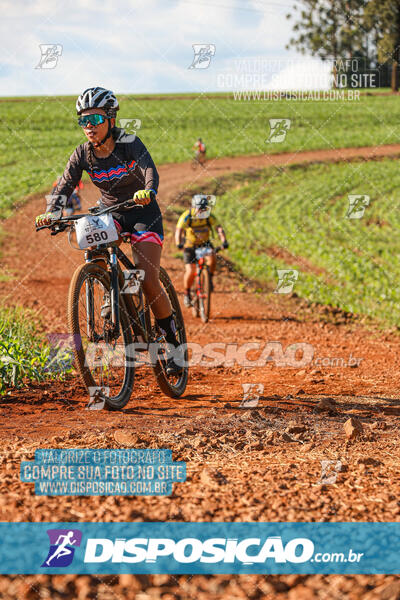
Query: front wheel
[
  {"x": 172, "y": 385},
  {"x": 103, "y": 357},
  {"x": 204, "y": 297},
  {"x": 195, "y": 305}
]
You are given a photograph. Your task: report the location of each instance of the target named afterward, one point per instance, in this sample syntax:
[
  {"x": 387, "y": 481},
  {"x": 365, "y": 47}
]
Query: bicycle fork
[
  {"x": 114, "y": 299},
  {"x": 114, "y": 292}
]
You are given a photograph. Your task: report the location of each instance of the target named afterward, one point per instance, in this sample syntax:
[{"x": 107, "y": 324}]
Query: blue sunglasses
[{"x": 92, "y": 119}]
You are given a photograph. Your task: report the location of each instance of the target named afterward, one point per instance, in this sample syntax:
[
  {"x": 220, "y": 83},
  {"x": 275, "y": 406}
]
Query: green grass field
[
  {"x": 25, "y": 354},
  {"x": 352, "y": 263},
  {"x": 38, "y": 135},
  {"x": 297, "y": 219}
]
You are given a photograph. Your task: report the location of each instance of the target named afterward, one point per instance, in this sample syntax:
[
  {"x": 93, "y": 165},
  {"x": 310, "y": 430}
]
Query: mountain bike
[
  {"x": 108, "y": 315},
  {"x": 201, "y": 302},
  {"x": 198, "y": 161}
]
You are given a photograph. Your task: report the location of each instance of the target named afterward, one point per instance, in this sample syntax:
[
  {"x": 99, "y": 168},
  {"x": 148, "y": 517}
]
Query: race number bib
[{"x": 92, "y": 230}]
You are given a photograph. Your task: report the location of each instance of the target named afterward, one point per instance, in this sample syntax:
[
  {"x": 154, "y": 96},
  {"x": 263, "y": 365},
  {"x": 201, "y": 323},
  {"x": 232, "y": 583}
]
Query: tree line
[{"x": 345, "y": 29}]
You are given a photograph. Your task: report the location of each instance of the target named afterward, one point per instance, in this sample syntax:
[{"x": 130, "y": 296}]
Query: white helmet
[{"x": 98, "y": 97}]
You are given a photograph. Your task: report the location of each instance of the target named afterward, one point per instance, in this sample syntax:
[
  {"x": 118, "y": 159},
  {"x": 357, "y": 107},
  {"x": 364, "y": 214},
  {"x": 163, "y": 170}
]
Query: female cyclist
[{"x": 122, "y": 168}]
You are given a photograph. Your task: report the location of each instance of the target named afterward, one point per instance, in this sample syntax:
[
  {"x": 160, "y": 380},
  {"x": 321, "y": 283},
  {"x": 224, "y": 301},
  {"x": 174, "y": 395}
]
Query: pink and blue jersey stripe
[
  {"x": 115, "y": 173},
  {"x": 141, "y": 236}
]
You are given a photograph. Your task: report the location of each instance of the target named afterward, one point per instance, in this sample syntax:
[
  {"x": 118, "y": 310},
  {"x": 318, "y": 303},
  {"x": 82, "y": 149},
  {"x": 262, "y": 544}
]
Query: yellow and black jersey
[{"x": 198, "y": 231}]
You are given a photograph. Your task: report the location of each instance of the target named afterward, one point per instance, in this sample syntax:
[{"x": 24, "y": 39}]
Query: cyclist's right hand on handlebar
[
  {"x": 144, "y": 197},
  {"x": 47, "y": 218},
  {"x": 179, "y": 246}
]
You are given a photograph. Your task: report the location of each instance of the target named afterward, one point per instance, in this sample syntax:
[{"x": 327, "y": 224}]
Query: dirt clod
[
  {"x": 327, "y": 404},
  {"x": 353, "y": 428}
]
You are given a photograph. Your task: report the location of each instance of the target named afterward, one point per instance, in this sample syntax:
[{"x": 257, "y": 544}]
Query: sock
[
  {"x": 187, "y": 292},
  {"x": 168, "y": 329}
]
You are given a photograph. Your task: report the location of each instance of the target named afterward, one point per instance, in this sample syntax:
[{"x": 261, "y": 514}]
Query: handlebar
[{"x": 61, "y": 224}]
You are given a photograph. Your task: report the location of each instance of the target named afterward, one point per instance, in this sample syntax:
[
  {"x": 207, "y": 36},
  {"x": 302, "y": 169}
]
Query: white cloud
[
  {"x": 133, "y": 46},
  {"x": 302, "y": 74}
]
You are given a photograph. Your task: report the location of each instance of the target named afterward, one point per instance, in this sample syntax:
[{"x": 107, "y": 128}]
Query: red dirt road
[{"x": 260, "y": 464}]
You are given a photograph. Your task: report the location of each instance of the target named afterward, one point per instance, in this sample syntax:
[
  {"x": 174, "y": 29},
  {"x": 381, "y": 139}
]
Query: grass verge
[{"x": 25, "y": 355}]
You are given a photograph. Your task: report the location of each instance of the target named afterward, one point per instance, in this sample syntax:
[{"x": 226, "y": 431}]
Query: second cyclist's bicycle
[
  {"x": 199, "y": 160},
  {"x": 201, "y": 302}
]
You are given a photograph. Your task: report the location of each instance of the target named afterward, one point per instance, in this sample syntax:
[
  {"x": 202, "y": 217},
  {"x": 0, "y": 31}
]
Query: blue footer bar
[{"x": 207, "y": 548}]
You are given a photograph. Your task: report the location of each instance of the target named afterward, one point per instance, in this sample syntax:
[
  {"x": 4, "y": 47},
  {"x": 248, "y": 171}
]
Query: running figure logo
[
  {"x": 329, "y": 471},
  {"x": 203, "y": 54},
  {"x": 50, "y": 55},
  {"x": 62, "y": 542},
  {"x": 286, "y": 280},
  {"x": 128, "y": 131},
  {"x": 357, "y": 205},
  {"x": 251, "y": 394},
  {"x": 279, "y": 129},
  {"x": 133, "y": 279}
]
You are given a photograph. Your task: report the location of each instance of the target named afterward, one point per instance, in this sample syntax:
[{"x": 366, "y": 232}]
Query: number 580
[{"x": 97, "y": 237}]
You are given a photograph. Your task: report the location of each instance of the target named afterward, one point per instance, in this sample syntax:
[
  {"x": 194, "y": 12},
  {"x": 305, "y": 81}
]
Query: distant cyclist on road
[
  {"x": 122, "y": 169},
  {"x": 200, "y": 148},
  {"x": 195, "y": 226}
]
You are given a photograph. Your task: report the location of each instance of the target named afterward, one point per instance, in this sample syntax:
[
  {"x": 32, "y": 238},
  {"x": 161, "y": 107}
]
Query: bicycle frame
[
  {"x": 111, "y": 255},
  {"x": 200, "y": 265}
]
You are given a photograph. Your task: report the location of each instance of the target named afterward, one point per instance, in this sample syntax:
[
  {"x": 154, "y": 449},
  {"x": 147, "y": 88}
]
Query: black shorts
[
  {"x": 140, "y": 220},
  {"x": 189, "y": 254}
]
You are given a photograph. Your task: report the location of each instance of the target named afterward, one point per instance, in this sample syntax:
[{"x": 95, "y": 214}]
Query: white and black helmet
[{"x": 98, "y": 97}]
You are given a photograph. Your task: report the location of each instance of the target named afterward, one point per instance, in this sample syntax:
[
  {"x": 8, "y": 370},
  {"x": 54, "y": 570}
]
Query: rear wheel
[
  {"x": 172, "y": 385},
  {"x": 205, "y": 294},
  {"x": 103, "y": 358}
]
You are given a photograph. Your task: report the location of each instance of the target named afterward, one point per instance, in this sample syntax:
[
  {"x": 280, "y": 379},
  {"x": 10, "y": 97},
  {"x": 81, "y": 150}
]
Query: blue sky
[{"x": 145, "y": 46}]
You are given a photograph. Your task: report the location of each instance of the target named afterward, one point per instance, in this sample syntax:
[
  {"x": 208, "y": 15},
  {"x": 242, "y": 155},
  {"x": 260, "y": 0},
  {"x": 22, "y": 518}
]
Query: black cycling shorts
[{"x": 141, "y": 222}]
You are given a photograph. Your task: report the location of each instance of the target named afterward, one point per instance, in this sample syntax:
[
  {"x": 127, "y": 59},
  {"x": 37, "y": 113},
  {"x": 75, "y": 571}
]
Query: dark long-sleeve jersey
[{"x": 129, "y": 168}]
